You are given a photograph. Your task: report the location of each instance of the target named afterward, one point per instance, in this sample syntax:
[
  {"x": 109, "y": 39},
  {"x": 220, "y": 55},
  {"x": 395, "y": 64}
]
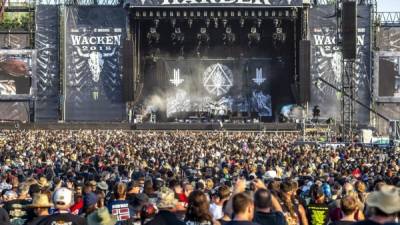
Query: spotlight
[
  {"x": 173, "y": 22},
  {"x": 216, "y": 22},
  {"x": 259, "y": 21},
  {"x": 190, "y": 23},
  {"x": 202, "y": 39},
  {"x": 228, "y": 37},
  {"x": 207, "y": 22},
  {"x": 224, "y": 22},
  {"x": 241, "y": 22},
  {"x": 152, "y": 36},
  {"x": 156, "y": 22},
  {"x": 254, "y": 37},
  {"x": 278, "y": 36},
  {"x": 177, "y": 37}
]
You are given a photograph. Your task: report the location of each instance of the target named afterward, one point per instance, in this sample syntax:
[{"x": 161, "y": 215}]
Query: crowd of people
[{"x": 64, "y": 177}]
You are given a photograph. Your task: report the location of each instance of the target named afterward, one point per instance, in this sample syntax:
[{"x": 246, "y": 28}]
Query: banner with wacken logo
[
  {"x": 326, "y": 64},
  {"x": 94, "y": 40}
]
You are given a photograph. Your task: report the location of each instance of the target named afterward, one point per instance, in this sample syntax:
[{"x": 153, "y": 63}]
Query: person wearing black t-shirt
[
  {"x": 62, "y": 199},
  {"x": 264, "y": 214},
  {"x": 243, "y": 209}
]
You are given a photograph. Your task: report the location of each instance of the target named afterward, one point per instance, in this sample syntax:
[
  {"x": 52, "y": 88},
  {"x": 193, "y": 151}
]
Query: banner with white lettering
[
  {"x": 94, "y": 39},
  {"x": 326, "y": 61},
  {"x": 208, "y": 3}
]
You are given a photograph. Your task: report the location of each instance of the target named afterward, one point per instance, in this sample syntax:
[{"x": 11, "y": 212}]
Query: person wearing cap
[
  {"x": 40, "y": 205},
  {"x": 383, "y": 205},
  {"x": 166, "y": 204},
  {"x": 89, "y": 203},
  {"x": 63, "y": 199}
]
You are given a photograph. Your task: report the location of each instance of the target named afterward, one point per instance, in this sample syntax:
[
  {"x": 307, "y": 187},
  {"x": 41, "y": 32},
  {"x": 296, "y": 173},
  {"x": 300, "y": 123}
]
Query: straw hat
[
  {"x": 387, "y": 199},
  {"x": 101, "y": 217},
  {"x": 43, "y": 182},
  {"x": 166, "y": 198},
  {"x": 40, "y": 201}
]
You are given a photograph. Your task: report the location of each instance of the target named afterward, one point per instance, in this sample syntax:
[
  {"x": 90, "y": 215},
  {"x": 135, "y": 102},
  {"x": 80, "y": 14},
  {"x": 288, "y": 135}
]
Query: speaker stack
[
  {"x": 127, "y": 71},
  {"x": 304, "y": 71},
  {"x": 349, "y": 29}
]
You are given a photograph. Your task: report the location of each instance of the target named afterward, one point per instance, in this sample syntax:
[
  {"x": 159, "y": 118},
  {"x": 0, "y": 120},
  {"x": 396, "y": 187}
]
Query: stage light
[
  {"x": 153, "y": 36},
  {"x": 241, "y": 22},
  {"x": 254, "y": 37},
  {"x": 216, "y": 22},
  {"x": 224, "y": 22},
  {"x": 228, "y": 37},
  {"x": 259, "y": 22},
  {"x": 207, "y": 22},
  {"x": 202, "y": 39},
  {"x": 173, "y": 22},
  {"x": 278, "y": 36},
  {"x": 190, "y": 23},
  {"x": 156, "y": 22}
]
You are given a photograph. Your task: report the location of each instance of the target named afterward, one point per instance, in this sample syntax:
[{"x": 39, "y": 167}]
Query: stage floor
[{"x": 154, "y": 126}]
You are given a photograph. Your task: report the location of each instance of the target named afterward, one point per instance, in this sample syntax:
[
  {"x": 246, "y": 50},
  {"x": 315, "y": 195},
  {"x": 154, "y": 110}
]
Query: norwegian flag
[{"x": 121, "y": 214}]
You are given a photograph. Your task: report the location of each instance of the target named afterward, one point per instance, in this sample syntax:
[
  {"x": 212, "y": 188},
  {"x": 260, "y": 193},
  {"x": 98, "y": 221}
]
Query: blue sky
[{"x": 388, "y": 5}]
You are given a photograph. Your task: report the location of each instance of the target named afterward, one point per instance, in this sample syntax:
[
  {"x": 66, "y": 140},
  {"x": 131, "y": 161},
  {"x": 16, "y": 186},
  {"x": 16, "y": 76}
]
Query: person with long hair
[{"x": 198, "y": 209}]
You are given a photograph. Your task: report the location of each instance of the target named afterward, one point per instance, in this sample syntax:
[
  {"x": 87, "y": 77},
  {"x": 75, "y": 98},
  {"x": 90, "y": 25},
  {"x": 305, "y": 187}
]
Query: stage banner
[
  {"x": 47, "y": 61},
  {"x": 326, "y": 61},
  {"x": 94, "y": 38},
  {"x": 213, "y": 3},
  {"x": 219, "y": 87}
]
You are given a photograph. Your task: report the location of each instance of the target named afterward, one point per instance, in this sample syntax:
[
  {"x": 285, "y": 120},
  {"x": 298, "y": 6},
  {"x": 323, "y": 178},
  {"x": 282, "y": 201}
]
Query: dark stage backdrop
[
  {"x": 326, "y": 61},
  {"x": 218, "y": 86},
  {"x": 47, "y": 62},
  {"x": 94, "y": 40}
]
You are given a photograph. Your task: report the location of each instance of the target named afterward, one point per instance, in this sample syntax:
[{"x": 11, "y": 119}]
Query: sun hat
[
  {"x": 166, "y": 198},
  {"x": 40, "y": 201},
  {"x": 102, "y": 185},
  {"x": 101, "y": 217},
  {"x": 387, "y": 199}
]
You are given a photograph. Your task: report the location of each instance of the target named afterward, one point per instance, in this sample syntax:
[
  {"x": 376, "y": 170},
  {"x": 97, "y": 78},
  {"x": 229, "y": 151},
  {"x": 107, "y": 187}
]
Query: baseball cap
[{"x": 63, "y": 197}]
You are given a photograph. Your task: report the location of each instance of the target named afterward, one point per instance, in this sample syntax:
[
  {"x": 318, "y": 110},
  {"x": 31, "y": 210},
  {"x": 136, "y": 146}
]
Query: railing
[{"x": 333, "y": 2}]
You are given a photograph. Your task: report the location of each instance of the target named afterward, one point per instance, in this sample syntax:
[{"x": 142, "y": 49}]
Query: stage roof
[{"x": 213, "y": 3}]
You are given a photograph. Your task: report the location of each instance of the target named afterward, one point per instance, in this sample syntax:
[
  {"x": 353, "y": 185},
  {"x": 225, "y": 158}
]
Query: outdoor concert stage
[{"x": 152, "y": 126}]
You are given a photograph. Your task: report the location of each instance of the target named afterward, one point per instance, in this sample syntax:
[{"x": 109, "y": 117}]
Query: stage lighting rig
[
  {"x": 228, "y": 37},
  {"x": 156, "y": 22},
  {"x": 216, "y": 22},
  {"x": 202, "y": 39},
  {"x": 254, "y": 37},
  {"x": 173, "y": 22},
  {"x": 190, "y": 23},
  {"x": 241, "y": 22},
  {"x": 224, "y": 22},
  {"x": 278, "y": 36},
  {"x": 177, "y": 36},
  {"x": 153, "y": 37},
  {"x": 259, "y": 22},
  {"x": 207, "y": 22}
]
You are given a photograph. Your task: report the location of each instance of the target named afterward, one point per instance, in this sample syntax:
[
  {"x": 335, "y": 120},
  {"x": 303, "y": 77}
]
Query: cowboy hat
[
  {"x": 101, "y": 217},
  {"x": 387, "y": 199},
  {"x": 40, "y": 201}
]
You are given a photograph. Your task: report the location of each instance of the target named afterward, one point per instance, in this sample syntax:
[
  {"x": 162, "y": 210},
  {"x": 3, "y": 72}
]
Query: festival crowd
[{"x": 64, "y": 177}]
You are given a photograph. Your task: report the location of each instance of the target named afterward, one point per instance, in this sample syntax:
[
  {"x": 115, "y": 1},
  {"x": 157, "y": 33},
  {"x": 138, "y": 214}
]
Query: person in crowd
[
  {"x": 264, "y": 212},
  {"x": 383, "y": 206},
  {"x": 243, "y": 210},
  {"x": 101, "y": 217},
  {"x": 197, "y": 212},
  {"x": 120, "y": 207},
  {"x": 62, "y": 199},
  {"x": 218, "y": 199},
  {"x": 40, "y": 205},
  {"x": 166, "y": 206},
  {"x": 349, "y": 206}
]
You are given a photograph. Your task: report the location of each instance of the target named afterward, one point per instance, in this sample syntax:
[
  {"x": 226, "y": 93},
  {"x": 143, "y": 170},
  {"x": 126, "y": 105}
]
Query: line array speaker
[
  {"x": 304, "y": 71},
  {"x": 349, "y": 28},
  {"x": 127, "y": 71}
]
